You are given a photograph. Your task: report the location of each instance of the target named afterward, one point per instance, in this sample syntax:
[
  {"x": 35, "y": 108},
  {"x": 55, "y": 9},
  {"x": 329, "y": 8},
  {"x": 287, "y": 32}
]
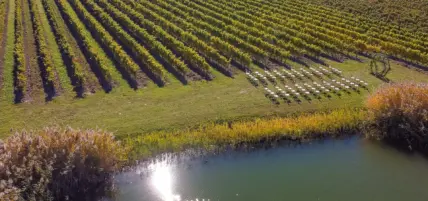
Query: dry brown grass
[
  {"x": 400, "y": 113},
  {"x": 56, "y": 164}
]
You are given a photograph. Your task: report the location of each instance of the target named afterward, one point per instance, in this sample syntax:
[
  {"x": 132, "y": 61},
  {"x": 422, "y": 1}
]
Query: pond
[{"x": 351, "y": 169}]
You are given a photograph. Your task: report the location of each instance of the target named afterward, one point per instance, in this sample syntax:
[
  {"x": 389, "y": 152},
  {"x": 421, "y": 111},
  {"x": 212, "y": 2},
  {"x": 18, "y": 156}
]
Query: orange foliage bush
[{"x": 400, "y": 113}]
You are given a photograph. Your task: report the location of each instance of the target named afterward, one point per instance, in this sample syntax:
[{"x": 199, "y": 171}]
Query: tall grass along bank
[
  {"x": 56, "y": 164},
  {"x": 302, "y": 127},
  {"x": 399, "y": 113}
]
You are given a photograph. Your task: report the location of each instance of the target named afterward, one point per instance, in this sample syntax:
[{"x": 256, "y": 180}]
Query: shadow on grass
[
  {"x": 272, "y": 99},
  {"x": 222, "y": 69},
  {"x": 48, "y": 85},
  {"x": 410, "y": 63},
  {"x": 334, "y": 58},
  {"x": 71, "y": 72},
  {"x": 17, "y": 91},
  {"x": 240, "y": 66},
  {"x": 381, "y": 78},
  {"x": 316, "y": 60},
  {"x": 280, "y": 63},
  {"x": 261, "y": 64},
  {"x": 299, "y": 61},
  {"x": 179, "y": 75},
  {"x": 355, "y": 58},
  {"x": 130, "y": 79}
]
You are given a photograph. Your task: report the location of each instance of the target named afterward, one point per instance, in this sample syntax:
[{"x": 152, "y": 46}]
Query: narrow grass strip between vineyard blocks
[{"x": 7, "y": 87}]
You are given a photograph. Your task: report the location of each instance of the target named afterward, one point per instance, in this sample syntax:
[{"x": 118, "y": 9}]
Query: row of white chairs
[
  {"x": 270, "y": 76},
  {"x": 253, "y": 78},
  {"x": 279, "y": 75},
  {"x": 293, "y": 73},
  {"x": 306, "y": 72},
  {"x": 270, "y": 93},
  {"x": 316, "y": 89},
  {"x": 325, "y": 70},
  {"x": 335, "y": 70},
  {"x": 297, "y": 73},
  {"x": 345, "y": 84},
  {"x": 320, "y": 72}
]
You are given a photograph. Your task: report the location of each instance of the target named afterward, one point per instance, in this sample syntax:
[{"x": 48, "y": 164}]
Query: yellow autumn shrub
[{"x": 399, "y": 113}]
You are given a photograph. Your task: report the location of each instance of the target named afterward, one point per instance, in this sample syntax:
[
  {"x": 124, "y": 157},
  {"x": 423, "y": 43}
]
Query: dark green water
[{"x": 342, "y": 170}]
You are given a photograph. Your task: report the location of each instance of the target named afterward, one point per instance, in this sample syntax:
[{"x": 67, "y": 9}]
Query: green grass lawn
[{"x": 175, "y": 106}]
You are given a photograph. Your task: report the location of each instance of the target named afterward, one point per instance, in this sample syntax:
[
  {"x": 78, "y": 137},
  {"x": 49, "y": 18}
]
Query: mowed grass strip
[
  {"x": 3, "y": 18},
  {"x": 36, "y": 91},
  {"x": 6, "y": 92},
  {"x": 3, "y": 36}
]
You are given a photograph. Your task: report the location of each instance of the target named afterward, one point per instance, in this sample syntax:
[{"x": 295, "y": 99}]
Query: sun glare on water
[{"x": 162, "y": 180}]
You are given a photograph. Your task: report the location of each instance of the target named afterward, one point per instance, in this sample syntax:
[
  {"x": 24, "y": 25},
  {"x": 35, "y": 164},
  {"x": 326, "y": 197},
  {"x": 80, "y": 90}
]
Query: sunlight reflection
[{"x": 162, "y": 180}]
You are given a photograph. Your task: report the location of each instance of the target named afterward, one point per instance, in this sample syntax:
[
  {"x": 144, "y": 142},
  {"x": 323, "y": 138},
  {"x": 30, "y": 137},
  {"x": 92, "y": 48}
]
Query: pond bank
[{"x": 258, "y": 132}]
